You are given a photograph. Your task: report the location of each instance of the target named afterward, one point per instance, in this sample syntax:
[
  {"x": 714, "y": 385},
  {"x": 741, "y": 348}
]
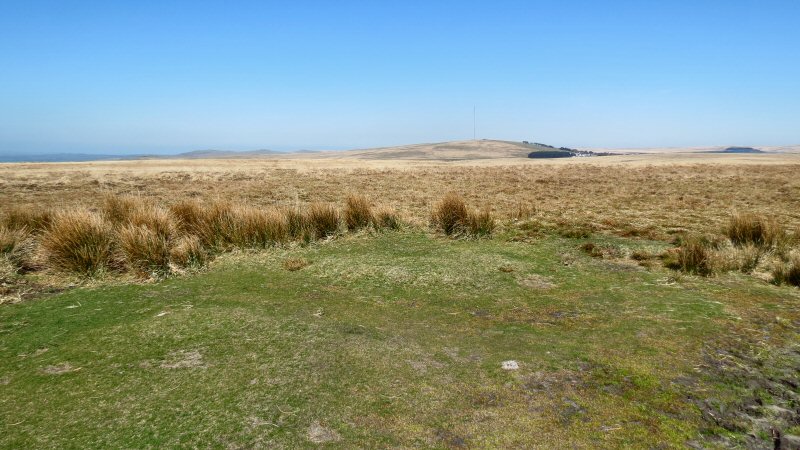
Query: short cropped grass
[{"x": 394, "y": 340}]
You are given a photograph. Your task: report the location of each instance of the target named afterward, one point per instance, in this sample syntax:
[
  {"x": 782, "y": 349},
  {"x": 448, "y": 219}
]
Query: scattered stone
[
  {"x": 319, "y": 434},
  {"x": 510, "y": 365}
]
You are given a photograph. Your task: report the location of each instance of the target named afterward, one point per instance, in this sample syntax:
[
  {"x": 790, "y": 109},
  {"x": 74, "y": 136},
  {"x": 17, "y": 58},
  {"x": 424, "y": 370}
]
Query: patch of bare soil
[
  {"x": 59, "y": 369},
  {"x": 183, "y": 359},
  {"x": 768, "y": 400},
  {"x": 535, "y": 281},
  {"x": 20, "y": 289},
  {"x": 319, "y": 434}
]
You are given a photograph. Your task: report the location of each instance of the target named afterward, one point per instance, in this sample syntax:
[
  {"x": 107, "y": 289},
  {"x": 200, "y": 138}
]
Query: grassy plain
[{"x": 396, "y": 339}]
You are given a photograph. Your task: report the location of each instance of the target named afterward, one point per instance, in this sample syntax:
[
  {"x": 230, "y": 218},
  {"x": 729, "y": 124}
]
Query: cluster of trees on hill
[{"x": 560, "y": 152}]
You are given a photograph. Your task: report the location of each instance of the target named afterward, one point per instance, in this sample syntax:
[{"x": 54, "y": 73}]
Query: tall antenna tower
[{"x": 474, "y": 127}]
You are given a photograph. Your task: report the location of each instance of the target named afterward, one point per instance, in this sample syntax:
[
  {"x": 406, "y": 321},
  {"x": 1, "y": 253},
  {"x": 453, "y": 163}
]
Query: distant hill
[
  {"x": 741, "y": 150},
  {"x": 221, "y": 154},
  {"x": 441, "y": 151},
  {"x": 60, "y": 157}
]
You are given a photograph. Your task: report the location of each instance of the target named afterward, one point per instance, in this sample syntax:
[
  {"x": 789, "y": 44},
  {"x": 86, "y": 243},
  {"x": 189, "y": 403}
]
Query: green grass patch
[{"x": 389, "y": 340}]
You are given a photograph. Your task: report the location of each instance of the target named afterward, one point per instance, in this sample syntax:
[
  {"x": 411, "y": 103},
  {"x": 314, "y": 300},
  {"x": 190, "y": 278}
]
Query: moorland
[{"x": 453, "y": 295}]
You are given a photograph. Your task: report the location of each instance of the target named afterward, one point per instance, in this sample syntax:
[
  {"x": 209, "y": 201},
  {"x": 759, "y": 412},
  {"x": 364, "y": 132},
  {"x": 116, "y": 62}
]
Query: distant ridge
[
  {"x": 741, "y": 150},
  {"x": 198, "y": 154},
  {"x": 61, "y": 157}
]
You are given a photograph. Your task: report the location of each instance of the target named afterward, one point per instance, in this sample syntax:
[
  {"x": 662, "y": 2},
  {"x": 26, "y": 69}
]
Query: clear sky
[{"x": 168, "y": 76}]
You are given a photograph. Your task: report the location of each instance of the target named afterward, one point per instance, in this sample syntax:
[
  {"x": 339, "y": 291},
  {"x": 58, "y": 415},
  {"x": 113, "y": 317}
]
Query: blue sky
[{"x": 169, "y": 76}]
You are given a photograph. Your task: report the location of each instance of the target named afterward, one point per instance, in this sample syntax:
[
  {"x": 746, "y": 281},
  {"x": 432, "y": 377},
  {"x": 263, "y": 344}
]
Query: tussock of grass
[
  {"x": 357, "y": 213},
  {"x": 18, "y": 246},
  {"x": 190, "y": 214},
  {"x": 252, "y": 227},
  {"x": 78, "y": 241},
  {"x": 480, "y": 223},
  {"x": 295, "y": 264},
  {"x": 452, "y": 217},
  {"x": 119, "y": 208},
  {"x": 744, "y": 258},
  {"x": 299, "y": 224},
  {"x": 574, "y": 231},
  {"x": 787, "y": 272},
  {"x": 693, "y": 256},
  {"x": 387, "y": 218},
  {"x": 155, "y": 218},
  {"x": 754, "y": 229},
  {"x": 188, "y": 251},
  {"x": 144, "y": 250},
  {"x": 9, "y": 238},
  {"x": 323, "y": 219},
  {"x": 30, "y": 219}
]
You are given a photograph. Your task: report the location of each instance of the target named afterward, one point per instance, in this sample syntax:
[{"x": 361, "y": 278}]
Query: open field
[
  {"x": 640, "y": 310},
  {"x": 397, "y": 340}
]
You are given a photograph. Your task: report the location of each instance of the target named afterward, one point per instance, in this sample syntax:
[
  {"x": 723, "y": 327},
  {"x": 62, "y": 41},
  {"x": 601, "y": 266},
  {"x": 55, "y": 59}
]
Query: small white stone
[{"x": 510, "y": 365}]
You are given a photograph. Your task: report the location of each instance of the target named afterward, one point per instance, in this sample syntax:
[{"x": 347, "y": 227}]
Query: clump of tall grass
[
  {"x": 754, "y": 229},
  {"x": 299, "y": 224},
  {"x": 30, "y": 219},
  {"x": 358, "y": 213},
  {"x": 18, "y": 247},
  {"x": 787, "y": 272},
  {"x": 452, "y": 217},
  {"x": 480, "y": 223},
  {"x": 188, "y": 251},
  {"x": 387, "y": 218},
  {"x": 78, "y": 241},
  {"x": 119, "y": 208},
  {"x": 190, "y": 214},
  {"x": 252, "y": 227},
  {"x": 9, "y": 238},
  {"x": 144, "y": 249},
  {"x": 693, "y": 256},
  {"x": 323, "y": 219},
  {"x": 295, "y": 264}
]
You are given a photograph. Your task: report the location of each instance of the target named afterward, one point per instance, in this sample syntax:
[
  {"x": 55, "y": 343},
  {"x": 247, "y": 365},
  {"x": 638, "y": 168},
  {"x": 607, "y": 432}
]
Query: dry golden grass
[
  {"x": 10, "y": 238},
  {"x": 646, "y": 196},
  {"x": 357, "y": 212},
  {"x": 29, "y": 218},
  {"x": 755, "y": 229},
  {"x": 295, "y": 264},
  {"x": 323, "y": 219},
  {"x": 693, "y": 256},
  {"x": 663, "y": 194},
  {"x": 450, "y": 215},
  {"x": 299, "y": 225},
  {"x": 188, "y": 251},
  {"x": 144, "y": 250},
  {"x": 253, "y": 227},
  {"x": 78, "y": 241},
  {"x": 386, "y": 217},
  {"x": 787, "y": 272}
]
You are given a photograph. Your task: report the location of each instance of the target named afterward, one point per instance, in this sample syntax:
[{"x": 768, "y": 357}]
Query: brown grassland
[{"x": 625, "y": 194}]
